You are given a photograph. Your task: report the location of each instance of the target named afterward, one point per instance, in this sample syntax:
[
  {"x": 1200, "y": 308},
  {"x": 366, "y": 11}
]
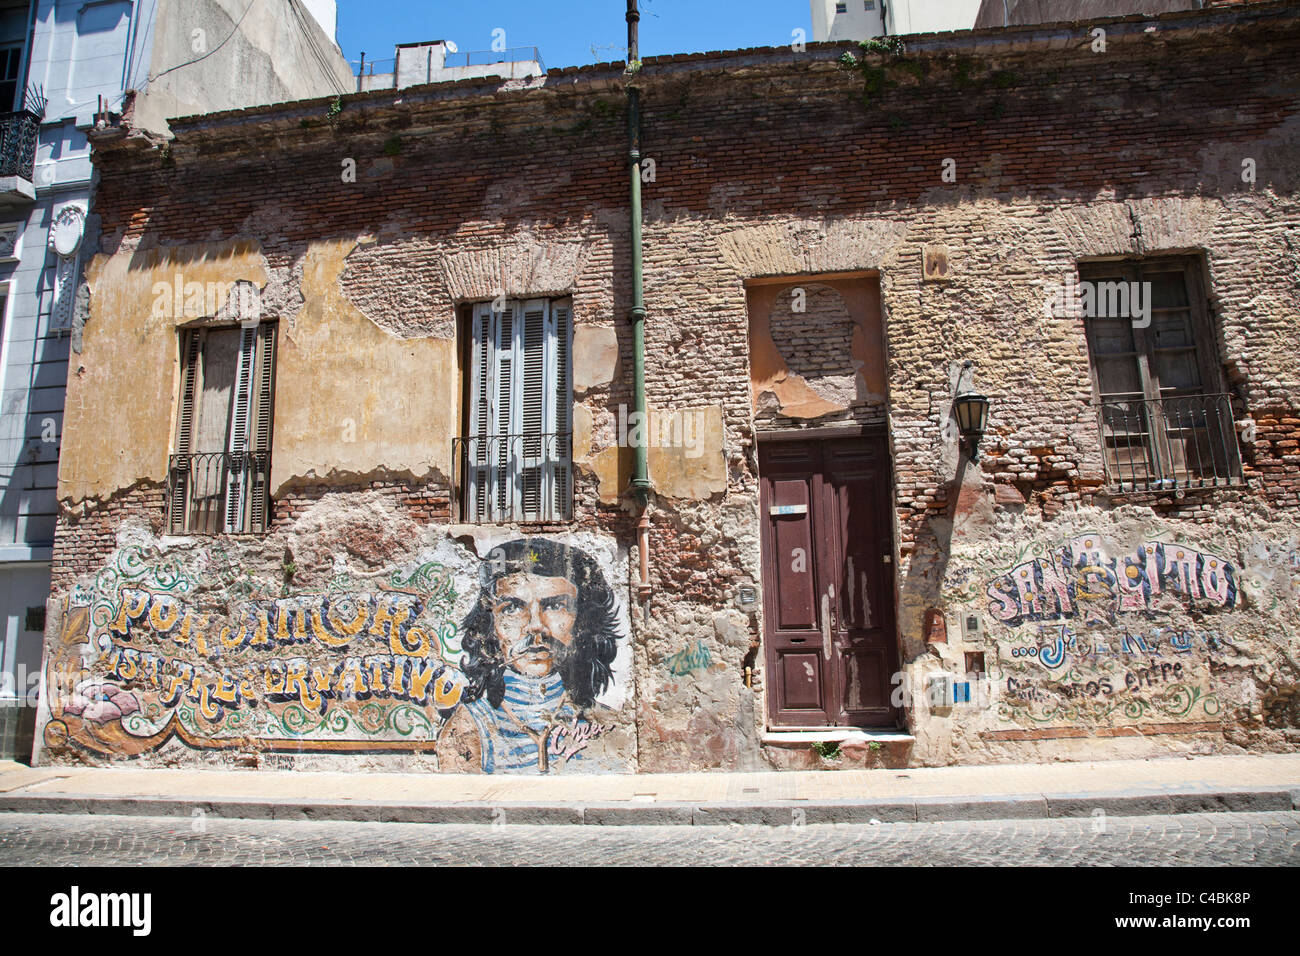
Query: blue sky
[{"x": 566, "y": 30}]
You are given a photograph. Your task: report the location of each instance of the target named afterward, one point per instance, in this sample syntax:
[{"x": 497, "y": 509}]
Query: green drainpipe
[{"x": 641, "y": 470}]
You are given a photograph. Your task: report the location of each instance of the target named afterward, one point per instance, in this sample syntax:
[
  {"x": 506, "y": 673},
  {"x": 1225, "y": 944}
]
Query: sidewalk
[{"x": 1002, "y": 791}]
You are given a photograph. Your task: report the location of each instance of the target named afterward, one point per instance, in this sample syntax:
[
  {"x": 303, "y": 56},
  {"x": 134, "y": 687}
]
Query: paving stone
[{"x": 1211, "y": 839}]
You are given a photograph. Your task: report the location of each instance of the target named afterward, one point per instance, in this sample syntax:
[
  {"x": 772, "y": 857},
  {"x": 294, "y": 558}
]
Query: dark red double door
[{"x": 828, "y": 589}]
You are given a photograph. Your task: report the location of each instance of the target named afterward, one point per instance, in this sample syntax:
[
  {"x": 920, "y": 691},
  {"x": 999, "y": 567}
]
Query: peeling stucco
[
  {"x": 114, "y": 435},
  {"x": 394, "y": 417}
]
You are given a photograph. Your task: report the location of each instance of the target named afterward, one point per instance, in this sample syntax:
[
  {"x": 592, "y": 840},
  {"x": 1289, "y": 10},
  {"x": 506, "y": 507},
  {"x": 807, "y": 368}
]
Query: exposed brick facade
[{"x": 775, "y": 163}]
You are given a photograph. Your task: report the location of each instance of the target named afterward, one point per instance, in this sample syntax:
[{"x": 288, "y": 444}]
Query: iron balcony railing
[
  {"x": 218, "y": 493},
  {"x": 1175, "y": 442},
  {"x": 518, "y": 54},
  {"x": 514, "y": 478},
  {"x": 18, "y": 134}
]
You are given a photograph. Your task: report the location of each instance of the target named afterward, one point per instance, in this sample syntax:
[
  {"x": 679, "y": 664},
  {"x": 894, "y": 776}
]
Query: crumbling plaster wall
[
  {"x": 393, "y": 419},
  {"x": 119, "y": 427},
  {"x": 124, "y": 422}
]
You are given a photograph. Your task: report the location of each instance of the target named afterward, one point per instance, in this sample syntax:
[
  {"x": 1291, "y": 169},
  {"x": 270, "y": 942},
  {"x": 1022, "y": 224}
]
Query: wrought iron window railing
[
  {"x": 1175, "y": 442},
  {"x": 514, "y": 478},
  {"x": 218, "y": 493},
  {"x": 18, "y": 134}
]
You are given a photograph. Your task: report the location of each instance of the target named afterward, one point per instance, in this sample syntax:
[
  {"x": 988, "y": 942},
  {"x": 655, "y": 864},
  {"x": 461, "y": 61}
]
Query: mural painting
[
  {"x": 538, "y": 648},
  {"x": 1092, "y": 634},
  {"x": 524, "y": 679},
  {"x": 1081, "y": 580}
]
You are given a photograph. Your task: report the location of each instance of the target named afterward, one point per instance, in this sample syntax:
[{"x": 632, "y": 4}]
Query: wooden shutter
[
  {"x": 178, "y": 492},
  {"x": 534, "y": 407},
  {"x": 492, "y": 412},
  {"x": 518, "y": 455},
  {"x": 480, "y": 413},
  {"x": 506, "y": 420},
  {"x": 259, "y": 476},
  {"x": 560, "y": 468},
  {"x": 238, "y": 434}
]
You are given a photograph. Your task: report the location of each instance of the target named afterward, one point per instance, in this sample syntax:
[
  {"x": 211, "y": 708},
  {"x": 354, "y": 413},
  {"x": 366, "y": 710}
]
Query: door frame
[{"x": 820, "y": 434}]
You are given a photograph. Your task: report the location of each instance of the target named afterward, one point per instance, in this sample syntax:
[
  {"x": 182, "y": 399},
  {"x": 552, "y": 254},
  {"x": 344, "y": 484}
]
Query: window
[
  {"x": 516, "y": 456},
  {"x": 868, "y": 4},
  {"x": 1166, "y": 417},
  {"x": 220, "y": 473},
  {"x": 11, "y": 58},
  {"x": 842, "y": 8}
]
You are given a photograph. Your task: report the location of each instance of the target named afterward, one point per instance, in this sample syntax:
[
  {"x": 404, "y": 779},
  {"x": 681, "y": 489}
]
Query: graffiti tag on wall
[{"x": 691, "y": 659}]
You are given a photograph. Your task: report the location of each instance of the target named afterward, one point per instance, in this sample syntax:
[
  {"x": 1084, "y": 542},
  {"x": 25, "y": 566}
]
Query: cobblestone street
[{"x": 1236, "y": 839}]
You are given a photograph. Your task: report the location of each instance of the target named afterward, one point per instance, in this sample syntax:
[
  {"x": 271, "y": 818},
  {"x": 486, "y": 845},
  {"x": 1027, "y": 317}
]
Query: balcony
[
  {"x": 218, "y": 493},
  {"x": 18, "y": 134},
  {"x": 523, "y": 478},
  {"x": 1173, "y": 443}
]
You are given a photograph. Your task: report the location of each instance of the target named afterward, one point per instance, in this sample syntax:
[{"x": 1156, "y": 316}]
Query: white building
[
  {"x": 439, "y": 61},
  {"x": 63, "y": 63},
  {"x": 868, "y": 19}
]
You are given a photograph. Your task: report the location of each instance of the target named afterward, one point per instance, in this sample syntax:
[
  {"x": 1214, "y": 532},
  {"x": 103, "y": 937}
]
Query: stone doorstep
[
  {"x": 772, "y": 813},
  {"x": 840, "y": 735}
]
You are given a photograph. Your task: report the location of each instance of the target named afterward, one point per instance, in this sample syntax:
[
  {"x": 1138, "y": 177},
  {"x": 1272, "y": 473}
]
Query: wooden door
[{"x": 828, "y": 589}]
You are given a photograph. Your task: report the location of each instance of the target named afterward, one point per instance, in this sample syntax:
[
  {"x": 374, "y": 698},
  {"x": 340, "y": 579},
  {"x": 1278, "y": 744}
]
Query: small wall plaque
[{"x": 934, "y": 263}]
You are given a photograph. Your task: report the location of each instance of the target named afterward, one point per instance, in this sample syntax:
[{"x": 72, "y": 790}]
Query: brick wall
[{"x": 776, "y": 163}]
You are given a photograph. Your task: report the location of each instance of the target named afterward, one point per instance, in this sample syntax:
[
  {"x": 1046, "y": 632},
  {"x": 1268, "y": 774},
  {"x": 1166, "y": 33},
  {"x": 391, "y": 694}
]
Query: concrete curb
[{"x": 770, "y": 813}]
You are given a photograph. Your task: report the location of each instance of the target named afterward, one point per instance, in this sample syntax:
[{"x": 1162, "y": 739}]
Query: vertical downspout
[{"x": 641, "y": 486}]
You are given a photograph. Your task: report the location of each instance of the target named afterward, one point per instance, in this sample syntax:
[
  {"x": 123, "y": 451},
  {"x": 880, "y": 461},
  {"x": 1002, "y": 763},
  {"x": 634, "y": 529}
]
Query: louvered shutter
[
  {"x": 491, "y": 493},
  {"x": 534, "y": 408},
  {"x": 560, "y": 467},
  {"x": 178, "y": 493},
  {"x": 238, "y": 434},
  {"x": 505, "y": 494},
  {"x": 517, "y": 456},
  {"x": 259, "y": 475},
  {"x": 477, "y": 451}
]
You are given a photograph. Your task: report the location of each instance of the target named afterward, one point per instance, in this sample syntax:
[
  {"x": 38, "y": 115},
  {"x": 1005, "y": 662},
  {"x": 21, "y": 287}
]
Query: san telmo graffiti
[
  {"x": 1159, "y": 673},
  {"x": 1080, "y": 576},
  {"x": 1058, "y": 646},
  {"x": 150, "y": 652}
]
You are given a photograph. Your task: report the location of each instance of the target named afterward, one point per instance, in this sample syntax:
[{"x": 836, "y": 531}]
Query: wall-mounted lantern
[{"x": 972, "y": 411}]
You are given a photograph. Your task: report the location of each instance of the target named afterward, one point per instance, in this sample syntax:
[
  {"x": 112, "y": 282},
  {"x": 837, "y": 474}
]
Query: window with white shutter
[
  {"x": 220, "y": 471},
  {"x": 517, "y": 457}
]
